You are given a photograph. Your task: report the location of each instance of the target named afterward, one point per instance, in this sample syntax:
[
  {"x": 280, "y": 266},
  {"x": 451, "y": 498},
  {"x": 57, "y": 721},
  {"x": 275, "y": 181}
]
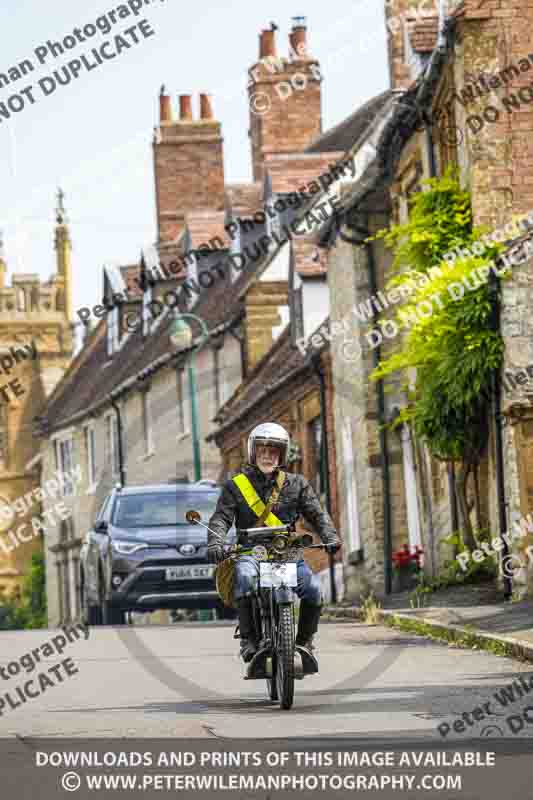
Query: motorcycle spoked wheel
[
  {"x": 272, "y": 688},
  {"x": 284, "y": 656}
]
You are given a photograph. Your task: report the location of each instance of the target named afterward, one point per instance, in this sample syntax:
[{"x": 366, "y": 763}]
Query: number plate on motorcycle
[
  {"x": 274, "y": 573},
  {"x": 188, "y": 573}
]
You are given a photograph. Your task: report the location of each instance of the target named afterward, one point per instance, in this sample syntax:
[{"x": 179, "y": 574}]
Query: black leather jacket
[{"x": 296, "y": 499}]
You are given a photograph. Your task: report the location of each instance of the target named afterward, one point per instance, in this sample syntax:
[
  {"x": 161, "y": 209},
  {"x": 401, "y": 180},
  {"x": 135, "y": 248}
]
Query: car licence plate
[{"x": 187, "y": 573}]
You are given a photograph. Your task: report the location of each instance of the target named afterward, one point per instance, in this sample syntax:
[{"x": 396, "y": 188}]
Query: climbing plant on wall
[{"x": 453, "y": 349}]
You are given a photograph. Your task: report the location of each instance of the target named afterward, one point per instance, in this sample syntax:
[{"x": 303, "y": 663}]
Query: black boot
[
  {"x": 307, "y": 624},
  {"x": 247, "y": 629}
]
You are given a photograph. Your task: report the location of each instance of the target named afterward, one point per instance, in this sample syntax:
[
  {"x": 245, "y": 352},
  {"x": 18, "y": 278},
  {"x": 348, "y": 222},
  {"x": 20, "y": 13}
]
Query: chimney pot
[
  {"x": 165, "y": 108},
  {"x": 298, "y": 36},
  {"x": 267, "y": 44},
  {"x": 185, "y": 107},
  {"x": 206, "y": 110}
]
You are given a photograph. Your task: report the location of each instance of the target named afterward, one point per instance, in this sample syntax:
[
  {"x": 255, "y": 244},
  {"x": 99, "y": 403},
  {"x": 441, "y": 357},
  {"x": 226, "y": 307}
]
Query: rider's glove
[
  {"x": 333, "y": 546},
  {"x": 215, "y": 553}
]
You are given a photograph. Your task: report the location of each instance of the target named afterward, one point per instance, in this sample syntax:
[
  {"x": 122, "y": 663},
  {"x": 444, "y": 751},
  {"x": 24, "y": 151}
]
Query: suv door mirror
[{"x": 100, "y": 526}]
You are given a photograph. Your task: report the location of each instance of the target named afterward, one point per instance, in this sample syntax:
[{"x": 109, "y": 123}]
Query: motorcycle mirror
[{"x": 193, "y": 517}]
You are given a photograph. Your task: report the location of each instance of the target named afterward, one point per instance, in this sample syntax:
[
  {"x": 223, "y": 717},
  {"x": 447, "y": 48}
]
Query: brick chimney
[
  {"x": 402, "y": 19},
  {"x": 165, "y": 107},
  {"x": 188, "y": 165},
  {"x": 285, "y": 99}
]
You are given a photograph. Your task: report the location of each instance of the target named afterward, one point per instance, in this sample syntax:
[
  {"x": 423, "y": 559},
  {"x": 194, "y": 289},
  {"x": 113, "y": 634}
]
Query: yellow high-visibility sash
[{"x": 254, "y": 501}]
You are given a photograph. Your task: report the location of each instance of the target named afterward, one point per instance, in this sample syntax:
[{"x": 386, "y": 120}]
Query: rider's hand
[
  {"x": 333, "y": 547},
  {"x": 215, "y": 553}
]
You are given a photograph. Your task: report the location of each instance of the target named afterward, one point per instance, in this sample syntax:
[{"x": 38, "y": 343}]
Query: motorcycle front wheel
[{"x": 284, "y": 656}]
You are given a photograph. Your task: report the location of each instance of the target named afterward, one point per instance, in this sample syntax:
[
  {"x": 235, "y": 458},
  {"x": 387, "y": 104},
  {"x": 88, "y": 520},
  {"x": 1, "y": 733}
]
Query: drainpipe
[
  {"x": 496, "y": 408},
  {"x": 122, "y": 473},
  {"x": 380, "y": 392},
  {"x": 324, "y": 457}
]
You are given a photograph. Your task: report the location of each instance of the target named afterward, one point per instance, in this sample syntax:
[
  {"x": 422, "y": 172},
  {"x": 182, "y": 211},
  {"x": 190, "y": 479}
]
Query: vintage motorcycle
[{"x": 279, "y": 660}]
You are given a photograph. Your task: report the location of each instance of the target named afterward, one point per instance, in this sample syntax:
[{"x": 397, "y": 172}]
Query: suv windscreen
[{"x": 152, "y": 510}]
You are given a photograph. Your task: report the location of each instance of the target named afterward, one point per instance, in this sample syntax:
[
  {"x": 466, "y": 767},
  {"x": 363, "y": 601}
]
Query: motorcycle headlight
[
  {"x": 127, "y": 548},
  {"x": 279, "y": 544}
]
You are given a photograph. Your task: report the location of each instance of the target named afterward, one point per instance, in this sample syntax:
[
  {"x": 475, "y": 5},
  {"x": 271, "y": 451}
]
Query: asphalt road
[{"x": 186, "y": 681}]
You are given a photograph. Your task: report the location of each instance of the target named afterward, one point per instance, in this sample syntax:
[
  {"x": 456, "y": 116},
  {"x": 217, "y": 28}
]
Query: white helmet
[{"x": 269, "y": 433}]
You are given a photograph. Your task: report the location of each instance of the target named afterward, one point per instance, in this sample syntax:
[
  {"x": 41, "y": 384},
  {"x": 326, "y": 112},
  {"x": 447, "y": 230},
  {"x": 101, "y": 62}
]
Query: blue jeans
[{"x": 247, "y": 573}]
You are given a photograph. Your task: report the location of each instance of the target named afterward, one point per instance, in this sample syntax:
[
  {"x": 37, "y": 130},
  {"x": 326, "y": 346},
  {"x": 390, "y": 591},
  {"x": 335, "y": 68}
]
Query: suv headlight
[{"x": 127, "y": 548}]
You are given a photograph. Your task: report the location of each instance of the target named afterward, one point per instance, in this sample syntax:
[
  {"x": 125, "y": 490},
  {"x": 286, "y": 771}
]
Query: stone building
[
  {"x": 448, "y": 72},
  {"x": 35, "y": 349}
]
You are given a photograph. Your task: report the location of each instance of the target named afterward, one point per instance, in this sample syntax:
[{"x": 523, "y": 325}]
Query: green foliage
[
  {"x": 467, "y": 639},
  {"x": 439, "y": 220},
  {"x": 30, "y": 611},
  {"x": 454, "y": 349}
]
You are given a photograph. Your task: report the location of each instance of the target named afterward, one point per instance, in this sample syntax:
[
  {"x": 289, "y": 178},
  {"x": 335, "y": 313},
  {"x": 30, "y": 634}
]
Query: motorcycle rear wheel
[{"x": 284, "y": 656}]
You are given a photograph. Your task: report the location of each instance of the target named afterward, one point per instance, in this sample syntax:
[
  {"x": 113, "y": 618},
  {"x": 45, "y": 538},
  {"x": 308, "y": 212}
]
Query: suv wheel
[
  {"x": 111, "y": 615},
  {"x": 90, "y": 615}
]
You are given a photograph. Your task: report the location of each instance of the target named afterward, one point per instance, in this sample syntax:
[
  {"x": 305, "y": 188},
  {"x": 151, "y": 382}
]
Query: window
[
  {"x": 65, "y": 462},
  {"x": 147, "y": 423},
  {"x": 235, "y": 249},
  {"x": 4, "y": 443},
  {"x": 165, "y": 508},
  {"x": 112, "y": 332},
  {"x": 180, "y": 383},
  {"x": 315, "y": 431},
  {"x": 112, "y": 445},
  {"x": 146, "y": 316},
  {"x": 273, "y": 225},
  {"x": 90, "y": 450}
]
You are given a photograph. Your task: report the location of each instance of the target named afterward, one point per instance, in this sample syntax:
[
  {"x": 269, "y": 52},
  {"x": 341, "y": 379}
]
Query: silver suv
[{"x": 142, "y": 554}]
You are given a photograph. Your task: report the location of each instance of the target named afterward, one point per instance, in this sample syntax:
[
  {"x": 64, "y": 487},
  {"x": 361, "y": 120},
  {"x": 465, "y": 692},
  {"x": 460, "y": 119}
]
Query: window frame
[
  {"x": 65, "y": 444},
  {"x": 89, "y": 433},
  {"x": 111, "y": 444}
]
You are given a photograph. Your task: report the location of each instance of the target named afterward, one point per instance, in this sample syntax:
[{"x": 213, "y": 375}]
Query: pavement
[{"x": 478, "y": 610}]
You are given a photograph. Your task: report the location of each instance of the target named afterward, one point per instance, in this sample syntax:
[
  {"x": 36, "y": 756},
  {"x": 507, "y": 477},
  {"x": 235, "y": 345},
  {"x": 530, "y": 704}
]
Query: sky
[{"x": 93, "y": 137}]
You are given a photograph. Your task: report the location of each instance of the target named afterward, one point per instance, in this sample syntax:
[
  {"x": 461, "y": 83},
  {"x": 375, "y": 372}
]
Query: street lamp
[{"x": 182, "y": 338}]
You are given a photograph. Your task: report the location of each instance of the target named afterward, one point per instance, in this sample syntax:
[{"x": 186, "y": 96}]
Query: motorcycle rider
[{"x": 268, "y": 450}]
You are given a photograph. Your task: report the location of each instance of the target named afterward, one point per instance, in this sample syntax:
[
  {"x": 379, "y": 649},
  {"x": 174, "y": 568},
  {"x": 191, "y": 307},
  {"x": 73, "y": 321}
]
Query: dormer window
[
  {"x": 146, "y": 315},
  {"x": 193, "y": 275},
  {"x": 235, "y": 249},
  {"x": 273, "y": 223},
  {"x": 112, "y": 331}
]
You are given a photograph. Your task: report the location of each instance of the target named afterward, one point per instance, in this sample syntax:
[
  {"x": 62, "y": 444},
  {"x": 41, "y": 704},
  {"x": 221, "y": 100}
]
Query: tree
[{"x": 30, "y": 611}]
